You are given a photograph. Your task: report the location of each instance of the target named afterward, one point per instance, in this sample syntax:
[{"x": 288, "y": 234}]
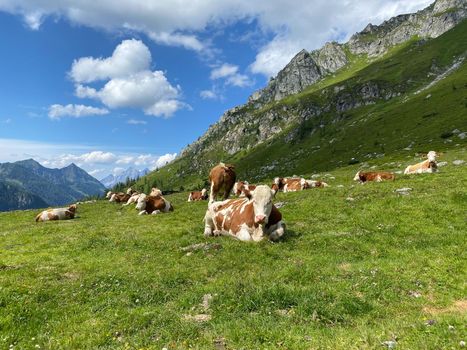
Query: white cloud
[
  {"x": 287, "y": 26},
  {"x": 130, "y": 82},
  {"x": 163, "y": 160},
  {"x": 208, "y": 94},
  {"x": 136, "y": 122},
  {"x": 229, "y": 72},
  {"x": 58, "y": 111},
  {"x": 129, "y": 57}
]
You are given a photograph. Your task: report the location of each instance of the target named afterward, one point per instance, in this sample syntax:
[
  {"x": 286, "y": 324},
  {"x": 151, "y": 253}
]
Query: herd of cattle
[{"x": 251, "y": 216}]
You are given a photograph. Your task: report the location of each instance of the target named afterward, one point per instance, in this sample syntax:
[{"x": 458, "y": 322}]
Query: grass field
[{"x": 349, "y": 274}]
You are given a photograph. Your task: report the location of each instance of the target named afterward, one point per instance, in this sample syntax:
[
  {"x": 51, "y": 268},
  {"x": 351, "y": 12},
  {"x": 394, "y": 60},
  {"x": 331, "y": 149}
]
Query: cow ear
[{"x": 248, "y": 193}]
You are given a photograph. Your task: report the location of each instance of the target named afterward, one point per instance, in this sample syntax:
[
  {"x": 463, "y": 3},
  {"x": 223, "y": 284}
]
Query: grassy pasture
[{"x": 349, "y": 274}]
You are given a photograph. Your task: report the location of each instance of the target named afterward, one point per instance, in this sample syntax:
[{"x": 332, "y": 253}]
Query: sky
[{"x": 112, "y": 84}]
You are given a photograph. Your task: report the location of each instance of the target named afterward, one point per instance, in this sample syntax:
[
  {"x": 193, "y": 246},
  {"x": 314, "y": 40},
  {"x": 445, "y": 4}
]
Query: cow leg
[
  {"x": 244, "y": 234},
  {"x": 155, "y": 212},
  {"x": 208, "y": 224},
  {"x": 212, "y": 194},
  {"x": 276, "y": 231},
  {"x": 143, "y": 212}
]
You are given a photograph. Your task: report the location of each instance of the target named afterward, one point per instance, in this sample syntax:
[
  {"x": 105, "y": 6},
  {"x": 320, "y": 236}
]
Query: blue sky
[{"x": 109, "y": 85}]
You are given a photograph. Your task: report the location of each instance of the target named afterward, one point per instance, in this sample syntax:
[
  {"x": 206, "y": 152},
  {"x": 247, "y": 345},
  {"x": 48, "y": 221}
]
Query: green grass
[{"x": 345, "y": 275}]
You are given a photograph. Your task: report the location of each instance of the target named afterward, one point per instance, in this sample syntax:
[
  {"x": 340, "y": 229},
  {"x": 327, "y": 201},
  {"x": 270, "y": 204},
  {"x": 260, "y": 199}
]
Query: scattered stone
[
  {"x": 350, "y": 199},
  {"x": 430, "y": 322},
  {"x": 403, "y": 191},
  {"x": 307, "y": 338},
  {"x": 219, "y": 344},
  {"x": 279, "y": 204},
  {"x": 451, "y": 328},
  {"x": 456, "y": 131},
  {"x": 340, "y": 186},
  {"x": 440, "y": 164},
  {"x": 462, "y": 344},
  {"x": 200, "y": 318},
  {"x": 428, "y": 96},
  {"x": 398, "y": 172},
  {"x": 415, "y": 294},
  {"x": 391, "y": 344},
  {"x": 462, "y": 135},
  {"x": 458, "y": 162},
  {"x": 202, "y": 246}
]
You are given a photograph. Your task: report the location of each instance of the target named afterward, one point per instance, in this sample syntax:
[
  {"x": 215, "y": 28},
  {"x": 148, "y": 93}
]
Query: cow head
[
  {"x": 357, "y": 176},
  {"x": 203, "y": 192},
  {"x": 155, "y": 192},
  {"x": 141, "y": 204},
  {"x": 112, "y": 197},
  {"x": 108, "y": 195},
  {"x": 72, "y": 208},
  {"x": 262, "y": 203},
  {"x": 129, "y": 191},
  {"x": 432, "y": 156}
]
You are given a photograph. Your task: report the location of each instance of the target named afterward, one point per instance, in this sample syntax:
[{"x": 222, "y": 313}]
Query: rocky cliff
[{"x": 246, "y": 126}]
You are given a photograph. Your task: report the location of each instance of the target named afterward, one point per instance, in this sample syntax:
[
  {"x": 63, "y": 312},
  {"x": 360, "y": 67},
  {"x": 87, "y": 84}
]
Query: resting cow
[
  {"x": 198, "y": 195},
  {"x": 240, "y": 187},
  {"x": 248, "y": 219},
  {"x": 289, "y": 184},
  {"x": 222, "y": 178},
  {"x": 153, "y": 205},
  {"x": 57, "y": 214},
  {"x": 427, "y": 166},
  {"x": 314, "y": 183},
  {"x": 377, "y": 176},
  {"x": 119, "y": 197},
  {"x": 133, "y": 199}
]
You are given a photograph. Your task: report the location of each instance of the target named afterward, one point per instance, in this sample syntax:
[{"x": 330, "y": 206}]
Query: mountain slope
[
  {"x": 15, "y": 197},
  {"x": 52, "y": 186},
  {"x": 366, "y": 109}
]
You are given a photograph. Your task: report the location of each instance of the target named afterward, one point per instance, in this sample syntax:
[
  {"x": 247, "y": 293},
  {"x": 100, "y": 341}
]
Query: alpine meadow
[{"x": 372, "y": 130}]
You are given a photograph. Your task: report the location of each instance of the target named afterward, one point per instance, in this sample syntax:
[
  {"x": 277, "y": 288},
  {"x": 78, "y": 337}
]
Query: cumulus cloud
[
  {"x": 164, "y": 160},
  {"x": 288, "y": 28},
  {"x": 208, "y": 95},
  {"x": 130, "y": 82},
  {"x": 57, "y": 111},
  {"x": 230, "y": 73}
]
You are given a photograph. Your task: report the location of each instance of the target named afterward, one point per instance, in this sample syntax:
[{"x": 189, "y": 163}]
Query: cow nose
[{"x": 260, "y": 219}]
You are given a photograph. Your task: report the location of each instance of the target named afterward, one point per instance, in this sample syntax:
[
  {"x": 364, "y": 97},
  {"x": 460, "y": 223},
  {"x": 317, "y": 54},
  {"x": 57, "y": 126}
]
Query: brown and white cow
[
  {"x": 289, "y": 184},
  {"x": 240, "y": 187},
  {"x": 133, "y": 199},
  {"x": 130, "y": 191},
  {"x": 248, "y": 219},
  {"x": 198, "y": 195},
  {"x": 316, "y": 184},
  {"x": 222, "y": 178},
  {"x": 377, "y": 176},
  {"x": 155, "y": 192},
  {"x": 109, "y": 194},
  {"x": 57, "y": 214},
  {"x": 427, "y": 166},
  {"x": 153, "y": 205},
  {"x": 119, "y": 197}
]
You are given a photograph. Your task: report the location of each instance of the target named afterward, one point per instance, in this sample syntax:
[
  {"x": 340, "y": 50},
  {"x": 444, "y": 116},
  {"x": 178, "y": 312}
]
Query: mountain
[
  {"x": 396, "y": 88},
  {"x": 27, "y": 184},
  {"x": 130, "y": 173}
]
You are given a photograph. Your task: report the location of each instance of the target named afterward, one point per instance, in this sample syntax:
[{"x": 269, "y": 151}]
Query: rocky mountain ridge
[{"x": 246, "y": 126}]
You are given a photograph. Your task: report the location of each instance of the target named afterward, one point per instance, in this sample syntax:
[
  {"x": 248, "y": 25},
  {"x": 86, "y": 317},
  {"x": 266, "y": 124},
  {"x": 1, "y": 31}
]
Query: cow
[
  {"x": 222, "y": 178},
  {"x": 289, "y": 184},
  {"x": 119, "y": 197},
  {"x": 109, "y": 194},
  {"x": 155, "y": 192},
  {"x": 131, "y": 191},
  {"x": 240, "y": 187},
  {"x": 198, "y": 195},
  {"x": 315, "y": 184},
  {"x": 57, "y": 214},
  {"x": 377, "y": 176},
  {"x": 153, "y": 205},
  {"x": 133, "y": 199},
  {"x": 251, "y": 218},
  {"x": 427, "y": 166}
]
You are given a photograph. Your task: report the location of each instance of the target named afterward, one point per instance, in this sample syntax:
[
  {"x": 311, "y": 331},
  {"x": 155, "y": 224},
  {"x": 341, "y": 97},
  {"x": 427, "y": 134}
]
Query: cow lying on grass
[
  {"x": 248, "y": 219},
  {"x": 377, "y": 176},
  {"x": 289, "y": 184},
  {"x": 153, "y": 205},
  {"x": 155, "y": 192},
  {"x": 316, "y": 184},
  {"x": 133, "y": 199},
  {"x": 427, "y": 166},
  {"x": 57, "y": 214},
  {"x": 119, "y": 197},
  {"x": 198, "y": 195},
  {"x": 240, "y": 187}
]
